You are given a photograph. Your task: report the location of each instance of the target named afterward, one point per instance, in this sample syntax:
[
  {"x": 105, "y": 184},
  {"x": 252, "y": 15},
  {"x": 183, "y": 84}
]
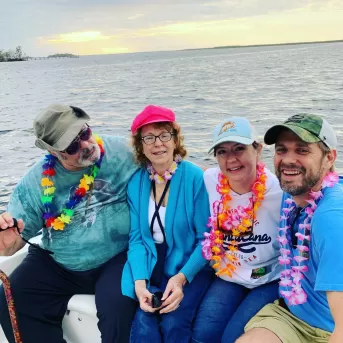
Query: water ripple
[{"x": 265, "y": 84}]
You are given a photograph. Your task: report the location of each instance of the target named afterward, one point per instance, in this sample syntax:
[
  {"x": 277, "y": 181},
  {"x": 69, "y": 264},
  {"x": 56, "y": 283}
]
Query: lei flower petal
[
  {"x": 49, "y": 190},
  {"x": 46, "y": 199},
  {"x": 46, "y": 182},
  {"x": 68, "y": 212},
  {"x": 65, "y": 219},
  {"x": 58, "y": 224}
]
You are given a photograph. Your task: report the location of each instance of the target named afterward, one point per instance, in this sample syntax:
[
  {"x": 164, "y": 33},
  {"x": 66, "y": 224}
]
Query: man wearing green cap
[
  {"x": 76, "y": 195},
  {"x": 310, "y": 234}
]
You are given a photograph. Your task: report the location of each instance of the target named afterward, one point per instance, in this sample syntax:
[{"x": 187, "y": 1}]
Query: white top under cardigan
[
  {"x": 157, "y": 233},
  {"x": 261, "y": 248}
]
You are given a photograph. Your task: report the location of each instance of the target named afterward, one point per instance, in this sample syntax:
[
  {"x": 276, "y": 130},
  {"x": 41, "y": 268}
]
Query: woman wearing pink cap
[
  {"x": 245, "y": 199},
  {"x": 169, "y": 211}
]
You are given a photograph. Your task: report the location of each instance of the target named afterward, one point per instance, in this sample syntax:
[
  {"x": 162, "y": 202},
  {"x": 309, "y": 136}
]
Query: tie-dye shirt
[{"x": 101, "y": 222}]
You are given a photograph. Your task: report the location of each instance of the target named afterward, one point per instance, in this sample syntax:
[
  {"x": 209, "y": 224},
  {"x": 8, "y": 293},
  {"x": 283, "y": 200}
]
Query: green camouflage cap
[
  {"x": 57, "y": 126},
  {"x": 310, "y": 128}
]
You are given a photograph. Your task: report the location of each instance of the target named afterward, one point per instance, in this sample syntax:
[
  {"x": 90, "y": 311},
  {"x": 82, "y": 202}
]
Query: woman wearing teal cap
[{"x": 245, "y": 200}]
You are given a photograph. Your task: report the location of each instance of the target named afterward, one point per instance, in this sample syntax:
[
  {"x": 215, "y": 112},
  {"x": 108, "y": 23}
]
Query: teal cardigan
[{"x": 186, "y": 220}]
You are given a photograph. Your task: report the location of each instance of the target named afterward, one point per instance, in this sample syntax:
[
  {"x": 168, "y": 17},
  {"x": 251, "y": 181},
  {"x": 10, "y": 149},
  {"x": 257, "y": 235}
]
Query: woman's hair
[
  {"x": 174, "y": 128},
  {"x": 255, "y": 145}
]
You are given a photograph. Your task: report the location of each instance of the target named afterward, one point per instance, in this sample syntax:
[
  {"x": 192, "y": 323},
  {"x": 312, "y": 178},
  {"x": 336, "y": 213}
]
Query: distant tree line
[
  {"x": 63, "y": 55},
  {"x": 12, "y": 55}
]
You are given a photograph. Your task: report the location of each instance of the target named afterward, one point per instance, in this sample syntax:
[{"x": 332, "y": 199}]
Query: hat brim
[
  {"x": 65, "y": 140},
  {"x": 235, "y": 139},
  {"x": 274, "y": 132},
  {"x": 152, "y": 122}
]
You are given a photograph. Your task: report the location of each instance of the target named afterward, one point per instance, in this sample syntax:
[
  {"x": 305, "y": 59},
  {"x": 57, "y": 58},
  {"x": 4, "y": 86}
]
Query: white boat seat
[{"x": 83, "y": 304}]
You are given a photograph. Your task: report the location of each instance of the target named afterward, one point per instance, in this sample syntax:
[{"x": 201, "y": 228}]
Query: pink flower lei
[
  {"x": 290, "y": 284},
  {"x": 237, "y": 222},
  {"x": 167, "y": 175}
]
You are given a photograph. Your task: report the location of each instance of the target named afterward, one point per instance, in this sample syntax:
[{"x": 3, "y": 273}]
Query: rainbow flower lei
[
  {"x": 293, "y": 273},
  {"x": 58, "y": 221},
  {"x": 167, "y": 175},
  {"x": 237, "y": 222}
]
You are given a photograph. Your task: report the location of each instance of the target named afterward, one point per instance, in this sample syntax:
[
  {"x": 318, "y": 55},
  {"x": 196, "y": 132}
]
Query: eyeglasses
[
  {"x": 74, "y": 146},
  {"x": 163, "y": 137}
]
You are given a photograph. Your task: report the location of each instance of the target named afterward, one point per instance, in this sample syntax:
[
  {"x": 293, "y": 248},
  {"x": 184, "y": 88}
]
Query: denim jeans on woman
[
  {"x": 227, "y": 308},
  {"x": 174, "y": 326}
]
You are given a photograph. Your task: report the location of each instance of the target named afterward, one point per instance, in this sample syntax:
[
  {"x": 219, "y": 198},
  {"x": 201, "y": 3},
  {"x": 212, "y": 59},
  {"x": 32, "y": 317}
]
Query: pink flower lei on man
[{"x": 290, "y": 284}]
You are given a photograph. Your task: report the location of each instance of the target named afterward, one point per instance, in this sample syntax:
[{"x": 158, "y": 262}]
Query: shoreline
[
  {"x": 262, "y": 45},
  {"x": 187, "y": 49},
  {"x": 223, "y": 47}
]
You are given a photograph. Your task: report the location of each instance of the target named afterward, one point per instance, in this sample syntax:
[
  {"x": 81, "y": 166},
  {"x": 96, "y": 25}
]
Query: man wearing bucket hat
[
  {"x": 77, "y": 195},
  {"x": 310, "y": 229},
  {"x": 244, "y": 199}
]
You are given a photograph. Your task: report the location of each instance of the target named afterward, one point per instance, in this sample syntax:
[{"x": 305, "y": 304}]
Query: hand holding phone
[{"x": 156, "y": 299}]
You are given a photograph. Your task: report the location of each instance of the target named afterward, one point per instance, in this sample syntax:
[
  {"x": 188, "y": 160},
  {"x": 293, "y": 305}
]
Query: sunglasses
[{"x": 74, "y": 146}]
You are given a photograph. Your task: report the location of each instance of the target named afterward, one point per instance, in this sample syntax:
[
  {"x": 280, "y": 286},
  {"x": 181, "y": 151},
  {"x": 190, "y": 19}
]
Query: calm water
[{"x": 265, "y": 84}]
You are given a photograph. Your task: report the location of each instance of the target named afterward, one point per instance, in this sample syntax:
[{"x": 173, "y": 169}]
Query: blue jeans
[
  {"x": 174, "y": 326},
  {"x": 226, "y": 309}
]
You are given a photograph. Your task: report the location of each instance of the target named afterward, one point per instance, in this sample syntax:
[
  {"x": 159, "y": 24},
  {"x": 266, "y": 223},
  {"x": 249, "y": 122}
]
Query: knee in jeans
[
  {"x": 204, "y": 334},
  {"x": 143, "y": 332},
  {"x": 171, "y": 322},
  {"x": 138, "y": 335}
]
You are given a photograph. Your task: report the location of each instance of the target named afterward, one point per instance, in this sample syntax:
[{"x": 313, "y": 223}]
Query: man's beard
[
  {"x": 85, "y": 159},
  {"x": 309, "y": 180}
]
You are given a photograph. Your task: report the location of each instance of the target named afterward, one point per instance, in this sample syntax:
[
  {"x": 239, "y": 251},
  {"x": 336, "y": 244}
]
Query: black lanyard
[
  {"x": 15, "y": 225},
  {"x": 156, "y": 215}
]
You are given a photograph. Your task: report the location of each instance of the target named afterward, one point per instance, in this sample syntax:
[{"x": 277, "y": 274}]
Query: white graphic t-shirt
[{"x": 257, "y": 253}]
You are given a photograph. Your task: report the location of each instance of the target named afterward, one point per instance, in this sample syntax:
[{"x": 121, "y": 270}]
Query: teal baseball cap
[
  {"x": 310, "y": 128},
  {"x": 233, "y": 129}
]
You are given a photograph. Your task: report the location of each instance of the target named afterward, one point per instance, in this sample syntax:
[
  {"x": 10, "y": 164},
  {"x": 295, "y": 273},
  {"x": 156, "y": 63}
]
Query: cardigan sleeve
[
  {"x": 201, "y": 214},
  {"x": 137, "y": 254}
]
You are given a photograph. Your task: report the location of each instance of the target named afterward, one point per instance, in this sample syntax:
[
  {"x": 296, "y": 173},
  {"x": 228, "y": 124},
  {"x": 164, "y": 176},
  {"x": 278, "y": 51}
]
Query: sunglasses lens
[
  {"x": 85, "y": 134},
  {"x": 73, "y": 148}
]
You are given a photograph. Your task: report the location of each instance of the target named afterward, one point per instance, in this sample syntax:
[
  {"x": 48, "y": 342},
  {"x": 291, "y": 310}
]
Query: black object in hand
[
  {"x": 156, "y": 299},
  {"x": 15, "y": 225}
]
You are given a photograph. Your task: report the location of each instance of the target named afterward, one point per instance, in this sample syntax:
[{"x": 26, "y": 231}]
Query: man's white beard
[{"x": 85, "y": 160}]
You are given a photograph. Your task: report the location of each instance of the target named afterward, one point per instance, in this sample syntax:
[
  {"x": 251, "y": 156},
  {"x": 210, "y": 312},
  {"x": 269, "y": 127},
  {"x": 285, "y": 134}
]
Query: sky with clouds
[{"x": 87, "y": 27}]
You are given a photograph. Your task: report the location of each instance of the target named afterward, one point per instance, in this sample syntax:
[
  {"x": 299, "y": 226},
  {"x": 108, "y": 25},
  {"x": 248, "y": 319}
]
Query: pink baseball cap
[{"x": 152, "y": 114}]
